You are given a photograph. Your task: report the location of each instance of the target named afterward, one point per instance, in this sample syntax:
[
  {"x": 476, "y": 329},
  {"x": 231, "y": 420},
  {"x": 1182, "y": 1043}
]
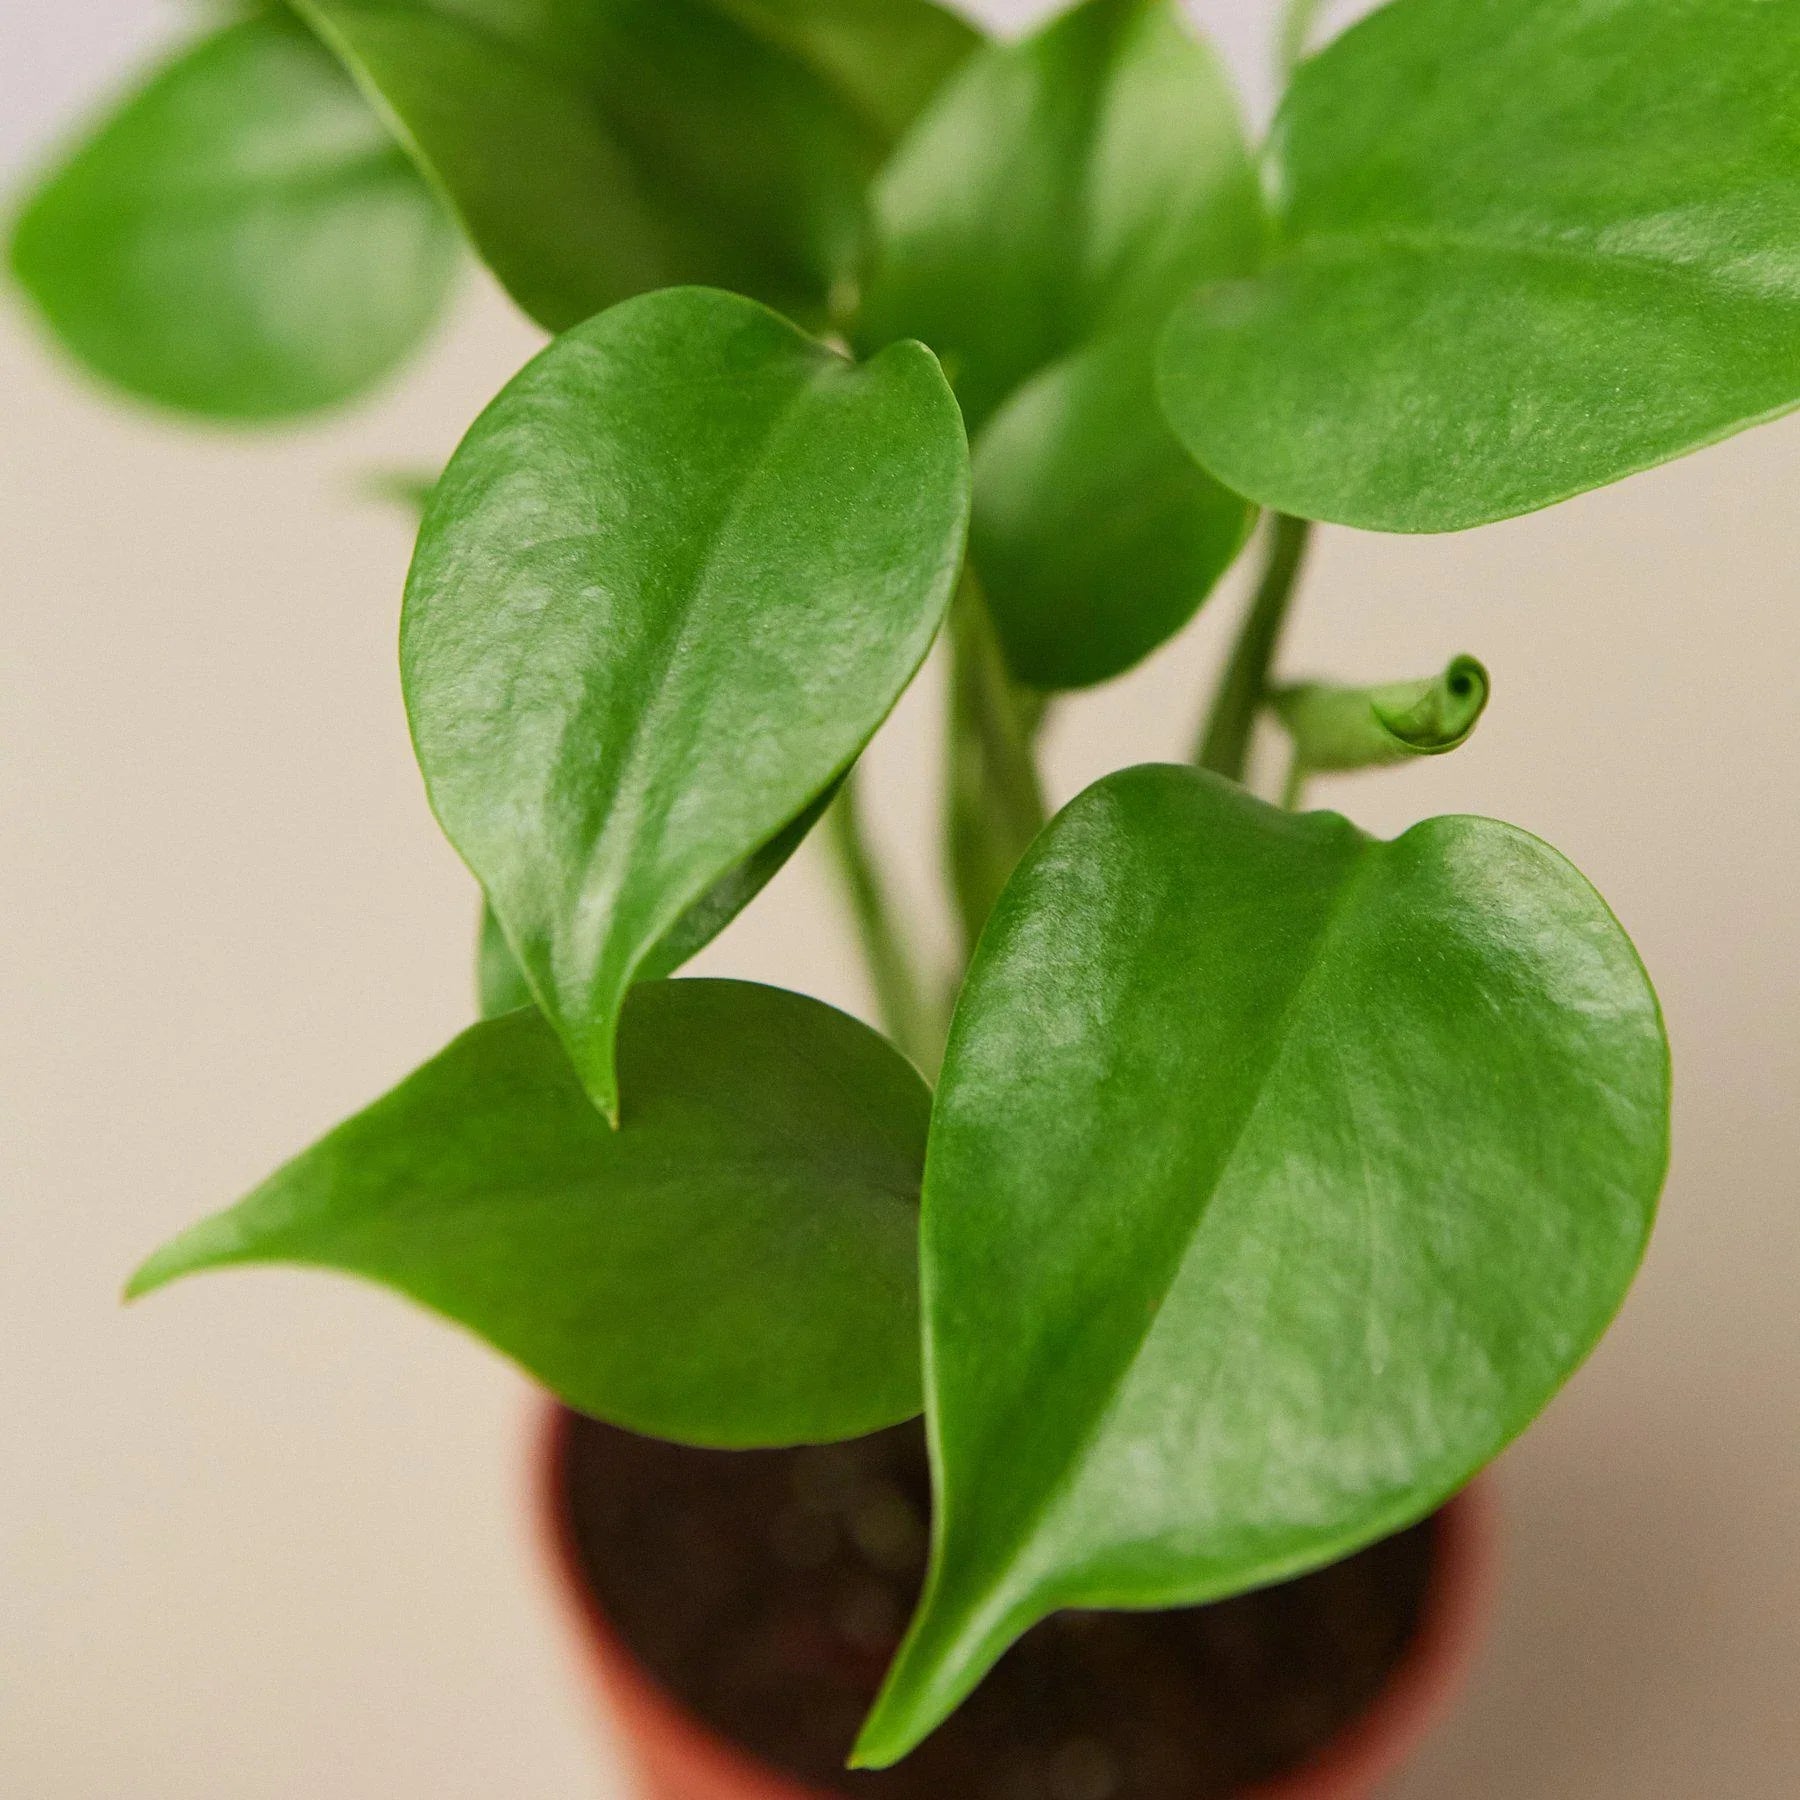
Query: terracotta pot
[{"x": 678, "y": 1758}]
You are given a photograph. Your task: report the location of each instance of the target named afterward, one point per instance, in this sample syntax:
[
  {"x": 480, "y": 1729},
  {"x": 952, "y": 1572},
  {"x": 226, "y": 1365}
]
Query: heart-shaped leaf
[
  {"x": 1527, "y": 247},
  {"x": 1049, "y": 208},
  {"x": 671, "y": 582},
  {"x": 1278, "y": 1177},
  {"x": 242, "y": 238},
  {"x": 597, "y": 149},
  {"x": 737, "y": 1265}
]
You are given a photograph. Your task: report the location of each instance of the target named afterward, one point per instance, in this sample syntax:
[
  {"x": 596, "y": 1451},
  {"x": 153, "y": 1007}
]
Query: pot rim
[{"x": 669, "y": 1743}]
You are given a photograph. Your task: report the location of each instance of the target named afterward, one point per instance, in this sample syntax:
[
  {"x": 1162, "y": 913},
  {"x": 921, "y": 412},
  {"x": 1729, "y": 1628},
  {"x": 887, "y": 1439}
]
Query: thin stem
[
  {"x": 899, "y": 994},
  {"x": 1293, "y": 790},
  {"x": 996, "y": 801},
  {"x": 1225, "y": 742}
]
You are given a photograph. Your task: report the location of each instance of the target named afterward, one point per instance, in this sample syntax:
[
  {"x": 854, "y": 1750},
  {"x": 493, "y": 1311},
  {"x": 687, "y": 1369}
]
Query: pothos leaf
[
  {"x": 597, "y": 149},
  {"x": 1050, "y": 207},
  {"x": 241, "y": 238},
  {"x": 1278, "y": 1177},
  {"x": 668, "y": 587},
  {"x": 736, "y": 1266},
  {"x": 1525, "y": 248}
]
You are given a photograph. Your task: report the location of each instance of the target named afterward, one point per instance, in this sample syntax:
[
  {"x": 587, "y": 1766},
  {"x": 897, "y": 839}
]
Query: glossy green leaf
[
  {"x": 1096, "y": 534},
  {"x": 1527, "y": 247},
  {"x": 241, "y": 238},
  {"x": 1278, "y": 1177},
  {"x": 736, "y": 1265},
  {"x": 597, "y": 149},
  {"x": 1035, "y": 228},
  {"x": 668, "y": 587}
]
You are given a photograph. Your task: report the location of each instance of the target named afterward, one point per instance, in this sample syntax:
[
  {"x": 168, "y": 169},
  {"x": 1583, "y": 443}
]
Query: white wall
[{"x": 261, "y": 1538}]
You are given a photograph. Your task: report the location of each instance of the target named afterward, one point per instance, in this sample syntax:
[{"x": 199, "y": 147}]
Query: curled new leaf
[
  {"x": 1278, "y": 1177},
  {"x": 1335, "y": 728},
  {"x": 669, "y": 585},
  {"x": 242, "y": 238},
  {"x": 737, "y": 1265}
]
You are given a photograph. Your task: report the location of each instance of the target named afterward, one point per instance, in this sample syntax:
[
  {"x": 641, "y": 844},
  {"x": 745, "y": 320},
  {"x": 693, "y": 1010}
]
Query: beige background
[{"x": 262, "y": 1538}]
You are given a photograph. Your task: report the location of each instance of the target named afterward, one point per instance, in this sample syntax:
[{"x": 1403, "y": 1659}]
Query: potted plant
[{"x": 1252, "y": 1182}]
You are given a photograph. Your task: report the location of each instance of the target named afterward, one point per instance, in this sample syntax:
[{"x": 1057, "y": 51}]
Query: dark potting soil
[{"x": 768, "y": 1590}]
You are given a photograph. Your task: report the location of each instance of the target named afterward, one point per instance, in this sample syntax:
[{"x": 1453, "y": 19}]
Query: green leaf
[
  {"x": 241, "y": 238},
  {"x": 671, "y": 582},
  {"x": 1527, "y": 247},
  {"x": 1096, "y": 534},
  {"x": 737, "y": 1265},
  {"x": 1035, "y": 229},
  {"x": 597, "y": 149},
  {"x": 1278, "y": 1177}
]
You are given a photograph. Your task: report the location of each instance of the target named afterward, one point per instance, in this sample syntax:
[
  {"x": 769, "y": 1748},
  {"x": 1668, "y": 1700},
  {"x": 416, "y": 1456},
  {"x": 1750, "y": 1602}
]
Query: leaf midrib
[
  {"x": 1058, "y": 1490},
  {"x": 628, "y": 781}
]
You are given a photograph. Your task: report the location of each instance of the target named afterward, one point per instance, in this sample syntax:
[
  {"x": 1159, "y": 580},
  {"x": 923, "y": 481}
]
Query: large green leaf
[
  {"x": 736, "y": 1265},
  {"x": 1527, "y": 247},
  {"x": 1035, "y": 228},
  {"x": 671, "y": 582},
  {"x": 1278, "y": 1177},
  {"x": 241, "y": 238},
  {"x": 596, "y": 149}
]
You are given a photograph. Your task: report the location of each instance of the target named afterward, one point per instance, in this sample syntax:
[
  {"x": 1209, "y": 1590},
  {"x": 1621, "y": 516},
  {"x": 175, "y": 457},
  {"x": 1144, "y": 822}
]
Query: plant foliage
[{"x": 1276, "y": 1176}]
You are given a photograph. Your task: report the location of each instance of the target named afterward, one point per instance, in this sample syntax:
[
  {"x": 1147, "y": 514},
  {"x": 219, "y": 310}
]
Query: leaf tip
[
  {"x": 959, "y": 1632},
  {"x": 209, "y": 1244},
  {"x": 600, "y": 1076}
]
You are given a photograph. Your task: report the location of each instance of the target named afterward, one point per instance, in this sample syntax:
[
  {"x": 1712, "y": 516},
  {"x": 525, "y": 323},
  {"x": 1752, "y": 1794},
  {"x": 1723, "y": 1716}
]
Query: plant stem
[
  {"x": 1225, "y": 742},
  {"x": 1293, "y": 790},
  {"x": 996, "y": 801},
  {"x": 899, "y": 994}
]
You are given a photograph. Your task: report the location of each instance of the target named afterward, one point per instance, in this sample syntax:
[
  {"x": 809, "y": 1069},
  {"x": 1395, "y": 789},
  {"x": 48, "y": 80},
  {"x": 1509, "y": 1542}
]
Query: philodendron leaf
[
  {"x": 669, "y": 585},
  {"x": 737, "y": 1265},
  {"x": 1035, "y": 228},
  {"x": 1278, "y": 1177},
  {"x": 242, "y": 238},
  {"x": 1526, "y": 247},
  {"x": 597, "y": 149}
]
